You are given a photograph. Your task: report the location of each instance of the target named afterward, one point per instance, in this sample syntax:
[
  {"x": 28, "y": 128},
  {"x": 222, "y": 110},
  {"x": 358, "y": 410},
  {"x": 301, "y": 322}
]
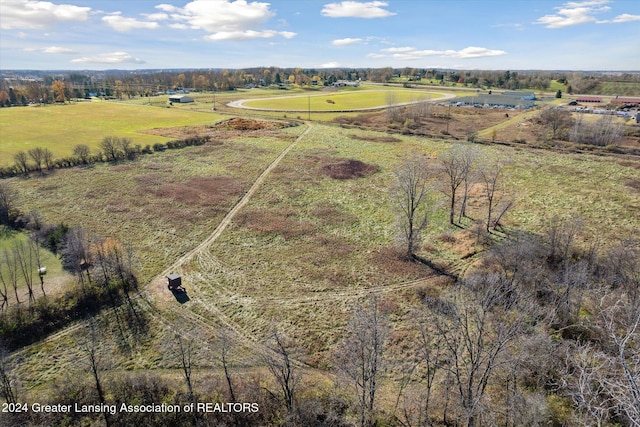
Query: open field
[
  {"x": 161, "y": 203},
  {"x": 341, "y": 101},
  {"x": 314, "y": 239},
  {"x": 619, "y": 89},
  {"x": 61, "y": 127},
  {"x": 307, "y": 246}
]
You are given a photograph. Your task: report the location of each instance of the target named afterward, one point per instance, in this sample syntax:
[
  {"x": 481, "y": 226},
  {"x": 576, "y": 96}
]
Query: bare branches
[
  {"x": 359, "y": 357},
  {"x": 409, "y": 197}
]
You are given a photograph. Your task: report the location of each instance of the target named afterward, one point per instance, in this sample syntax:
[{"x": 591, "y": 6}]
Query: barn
[{"x": 182, "y": 99}]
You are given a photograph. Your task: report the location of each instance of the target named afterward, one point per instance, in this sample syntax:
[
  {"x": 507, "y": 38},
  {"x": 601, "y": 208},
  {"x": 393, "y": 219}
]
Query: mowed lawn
[
  {"x": 342, "y": 101},
  {"x": 61, "y": 127}
]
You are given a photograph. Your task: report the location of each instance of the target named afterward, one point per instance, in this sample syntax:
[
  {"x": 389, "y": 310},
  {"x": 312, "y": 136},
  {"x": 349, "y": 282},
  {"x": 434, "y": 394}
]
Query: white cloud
[
  {"x": 410, "y": 54},
  {"x": 574, "y": 13},
  {"x": 110, "y": 58},
  {"x": 399, "y": 49},
  {"x": 32, "y": 14},
  {"x": 124, "y": 24},
  {"x": 345, "y": 42},
  {"x": 354, "y": 9},
  {"x": 625, "y": 17},
  {"x": 156, "y": 16},
  {"x": 330, "y": 65},
  {"x": 57, "y": 50},
  {"x": 224, "y": 19},
  {"x": 248, "y": 35}
]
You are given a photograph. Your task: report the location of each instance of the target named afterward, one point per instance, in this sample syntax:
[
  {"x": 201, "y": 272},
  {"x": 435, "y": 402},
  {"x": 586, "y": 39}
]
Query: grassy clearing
[
  {"x": 162, "y": 203},
  {"x": 307, "y": 247},
  {"x": 341, "y": 101},
  {"x": 619, "y": 88},
  {"x": 55, "y": 278},
  {"x": 61, "y": 127}
]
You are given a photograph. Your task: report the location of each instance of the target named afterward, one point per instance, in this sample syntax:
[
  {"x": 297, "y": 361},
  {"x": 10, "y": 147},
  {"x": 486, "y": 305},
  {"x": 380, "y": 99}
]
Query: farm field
[
  {"x": 289, "y": 225},
  {"x": 342, "y": 101},
  {"x": 307, "y": 246},
  {"x": 61, "y": 127}
]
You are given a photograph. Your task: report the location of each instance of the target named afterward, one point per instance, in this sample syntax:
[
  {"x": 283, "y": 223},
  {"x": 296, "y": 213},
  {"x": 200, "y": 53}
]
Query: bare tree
[
  {"x": 22, "y": 162},
  {"x": 279, "y": 361},
  {"x": 47, "y": 158},
  {"x": 110, "y": 146},
  {"x": 4, "y": 291},
  {"x": 37, "y": 155},
  {"x": 491, "y": 176},
  {"x": 225, "y": 345},
  {"x": 76, "y": 255},
  {"x": 24, "y": 256},
  {"x": 82, "y": 152},
  {"x": 584, "y": 382},
  {"x": 12, "y": 272},
  {"x": 8, "y": 382},
  {"x": 359, "y": 357},
  {"x": 606, "y": 130},
  {"x": 557, "y": 121},
  {"x": 409, "y": 197},
  {"x": 126, "y": 147},
  {"x": 34, "y": 246},
  {"x": 456, "y": 165},
  {"x": 8, "y": 199},
  {"x": 470, "y": 156},
  {"x": 621, "y": 322},
  {"x": 475, "y": 336},
  {"x": 429, "y": 356},
  {"x": 89, "y": 344}
]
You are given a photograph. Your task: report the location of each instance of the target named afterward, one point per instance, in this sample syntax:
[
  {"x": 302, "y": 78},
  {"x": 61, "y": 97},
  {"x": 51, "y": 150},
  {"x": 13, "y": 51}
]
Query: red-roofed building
[
  {"x": 626, "y": 100},
  {"x": 589, "y": 99}
]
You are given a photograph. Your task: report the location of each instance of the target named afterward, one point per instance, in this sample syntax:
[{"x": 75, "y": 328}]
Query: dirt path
[
  {"x": 157, "y": 285},
  {"x": 229, "y": 216}
]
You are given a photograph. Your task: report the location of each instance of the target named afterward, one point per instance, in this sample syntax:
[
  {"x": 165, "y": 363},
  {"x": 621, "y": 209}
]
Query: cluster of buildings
[{"x": 520, "y": 100}]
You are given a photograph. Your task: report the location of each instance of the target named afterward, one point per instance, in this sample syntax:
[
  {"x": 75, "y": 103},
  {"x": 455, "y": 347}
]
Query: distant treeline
[{"x": 49, "y": 88}]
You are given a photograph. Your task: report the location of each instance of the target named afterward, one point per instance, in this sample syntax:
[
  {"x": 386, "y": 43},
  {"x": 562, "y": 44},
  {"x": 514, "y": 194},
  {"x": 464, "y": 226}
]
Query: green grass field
[
  {"x": 61, "y": 127},
  {"x": 619, "y": 89},
  {"x": 341, "y": 100}
]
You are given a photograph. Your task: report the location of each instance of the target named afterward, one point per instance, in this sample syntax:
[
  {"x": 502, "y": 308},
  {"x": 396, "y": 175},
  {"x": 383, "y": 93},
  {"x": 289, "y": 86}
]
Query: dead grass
[
  {"x": 634, "y": 183},
  {"x": 203, "y": 191},
  {"x": 349, "y": 169}
]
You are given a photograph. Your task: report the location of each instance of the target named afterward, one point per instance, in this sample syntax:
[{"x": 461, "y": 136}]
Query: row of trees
[
  {"x": 454, "y": 174},
  {"x": 111, "y": 149},
  {"x": 508, "y": 345},
  {"x": 558, "y": 123}
]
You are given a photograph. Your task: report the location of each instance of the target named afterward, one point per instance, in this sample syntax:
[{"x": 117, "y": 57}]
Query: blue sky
[{"x": 463, "y": 34}]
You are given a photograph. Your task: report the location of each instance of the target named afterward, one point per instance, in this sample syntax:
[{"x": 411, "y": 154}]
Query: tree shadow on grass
[{"x": 434, "y": 267}]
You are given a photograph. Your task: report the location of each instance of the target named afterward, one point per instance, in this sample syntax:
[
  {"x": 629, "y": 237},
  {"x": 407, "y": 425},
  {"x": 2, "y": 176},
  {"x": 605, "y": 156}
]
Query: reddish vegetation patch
[
  {"x": 238, "y": 123},
  {"x": 393, "y": 261},
  {"x": 329, "y": 214},
  {"x": 349, "y": 169},
  {"x": 278, "y": 221},
  {"x": 202, "y": 191},
  {"x": 634, "y": 183}
]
